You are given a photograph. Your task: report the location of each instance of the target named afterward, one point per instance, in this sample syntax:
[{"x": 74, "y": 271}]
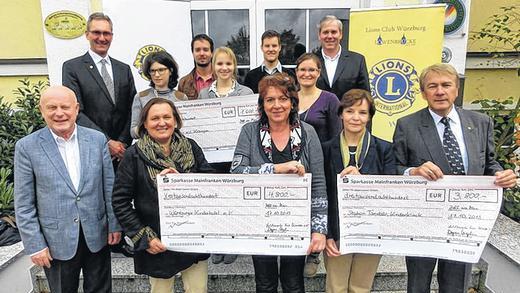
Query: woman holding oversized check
[
  {"x": 279, "y": 143},
  {"x": 354, "y": 151},
  {"x": 161, "y": 149}
]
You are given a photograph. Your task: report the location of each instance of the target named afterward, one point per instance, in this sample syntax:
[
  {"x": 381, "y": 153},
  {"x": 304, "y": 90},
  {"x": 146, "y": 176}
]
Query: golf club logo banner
[
  {"x": 397, "y": 42},
  {"x": 394, "y": 84}
]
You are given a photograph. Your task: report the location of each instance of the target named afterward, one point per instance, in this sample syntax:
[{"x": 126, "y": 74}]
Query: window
[{"x": 298, "y": 29}]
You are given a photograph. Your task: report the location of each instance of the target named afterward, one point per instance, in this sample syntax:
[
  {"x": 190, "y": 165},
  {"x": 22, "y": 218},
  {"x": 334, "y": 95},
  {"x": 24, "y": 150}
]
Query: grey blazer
[
  {"x": 416, "y": 141},
  {"x": 48, "y": 207}
]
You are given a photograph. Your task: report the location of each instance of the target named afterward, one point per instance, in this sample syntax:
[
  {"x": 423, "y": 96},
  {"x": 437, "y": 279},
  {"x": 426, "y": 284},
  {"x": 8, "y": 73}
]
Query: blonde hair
[
  {"x": 441, "y": 69},
  {"x": 228, "y": 52}
]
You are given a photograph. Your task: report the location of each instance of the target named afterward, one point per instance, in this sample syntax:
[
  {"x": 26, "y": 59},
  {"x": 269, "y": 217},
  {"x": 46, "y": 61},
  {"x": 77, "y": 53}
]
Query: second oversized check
[
  {"x": 235, "y": 213},
  {"x": 450, "y": 218}
]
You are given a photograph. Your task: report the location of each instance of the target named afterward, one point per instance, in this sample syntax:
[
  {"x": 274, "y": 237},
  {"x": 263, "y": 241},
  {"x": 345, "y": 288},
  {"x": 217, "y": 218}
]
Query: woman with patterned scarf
[
  {"x": 354, "y": 151},
  {"x": 279, "y": 143},
  {"x": 161, "y": 149}
]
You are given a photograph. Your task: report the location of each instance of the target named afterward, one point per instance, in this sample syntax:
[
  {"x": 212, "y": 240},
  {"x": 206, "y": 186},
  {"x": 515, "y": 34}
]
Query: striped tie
[
  {"x": 107, "y": 80},
  {"x": 451, "y": 149}
]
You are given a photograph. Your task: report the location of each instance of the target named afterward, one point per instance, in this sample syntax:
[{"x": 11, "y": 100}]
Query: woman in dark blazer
[
  {"x": 354, "y": 151},
  {"x": 161, "y": 149}
]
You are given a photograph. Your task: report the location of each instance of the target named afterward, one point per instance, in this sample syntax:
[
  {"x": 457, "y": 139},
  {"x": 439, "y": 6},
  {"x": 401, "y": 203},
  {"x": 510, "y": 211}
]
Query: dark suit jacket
[
  {"x": 254, "y": 76},
  {"x": 380, "y": 160},
  {"x": 416, "y": 141},
  {"x": 97, "y": 110},
  {"x": 351, "y": 73}
]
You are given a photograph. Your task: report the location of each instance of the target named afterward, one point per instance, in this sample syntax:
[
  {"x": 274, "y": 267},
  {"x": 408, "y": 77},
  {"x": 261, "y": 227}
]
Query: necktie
[
  {"x": 107, "y": 80},
  {"x": 451, "y": 149}
]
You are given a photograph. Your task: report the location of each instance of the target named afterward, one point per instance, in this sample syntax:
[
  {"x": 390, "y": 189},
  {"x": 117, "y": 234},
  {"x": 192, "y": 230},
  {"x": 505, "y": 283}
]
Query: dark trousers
[
  {"x": 453, "y": 276},
  {"x": 290, "y": 274},
  {"x": 63, "y": 275}
]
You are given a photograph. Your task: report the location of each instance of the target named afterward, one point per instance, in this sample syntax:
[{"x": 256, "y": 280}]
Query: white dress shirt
[
  {"x": 331, "y": 64},
  {"x": 456, "y": 128},
  {"x": 69, "y": 151},
  {"x": 97, "y": 60},
  {"x": 271, "y": 71}
]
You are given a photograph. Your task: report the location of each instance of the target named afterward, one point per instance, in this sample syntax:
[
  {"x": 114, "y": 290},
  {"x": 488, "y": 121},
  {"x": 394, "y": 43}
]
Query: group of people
[{"x": 80, "y": 182}]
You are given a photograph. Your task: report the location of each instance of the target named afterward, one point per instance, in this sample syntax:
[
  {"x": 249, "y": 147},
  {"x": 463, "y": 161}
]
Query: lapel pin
[
  {"x": 469, "y": 127},
  {"x": 91, "y": 67}
]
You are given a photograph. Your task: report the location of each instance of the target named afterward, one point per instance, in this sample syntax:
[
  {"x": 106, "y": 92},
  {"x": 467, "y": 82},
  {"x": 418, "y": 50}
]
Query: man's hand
[
  {"x": 427, "y": 170},
  {"x": 317, "y": 243},
  {"x": 156, "y": 246},
  {"x": 506, "y": 178},
  {"x": 331, "y": 248},
  {"x": 116, "y": 148},
  {"x": 42, "y": 258},
  {"x": 114, "y": 238}
]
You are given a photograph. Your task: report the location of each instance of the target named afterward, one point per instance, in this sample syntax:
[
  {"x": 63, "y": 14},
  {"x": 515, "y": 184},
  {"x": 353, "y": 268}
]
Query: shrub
[
  {"x": 16, "y": 121},
  {"x": 506, "y": 114}
]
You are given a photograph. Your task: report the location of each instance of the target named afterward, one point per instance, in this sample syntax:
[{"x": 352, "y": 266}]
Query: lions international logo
[
  {"x": 394, "y": 84},
  {"x": 454, "y": 16},
  {"x": 142, "y": 53}
]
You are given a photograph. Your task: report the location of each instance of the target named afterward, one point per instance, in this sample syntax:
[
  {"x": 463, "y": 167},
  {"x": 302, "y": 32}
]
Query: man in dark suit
[
  {"x": 271, "y": 47},
  {"x": 63, "y": 197},
  {"x": 343, "y": 69},
  {"x": 442, "y": 139},
  {"x": 103, "y": 85}
]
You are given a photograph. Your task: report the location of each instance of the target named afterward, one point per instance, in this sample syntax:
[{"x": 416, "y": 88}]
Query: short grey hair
[
  {"x": 328, "y": 19},
  {"x": 98, "y": 16}
]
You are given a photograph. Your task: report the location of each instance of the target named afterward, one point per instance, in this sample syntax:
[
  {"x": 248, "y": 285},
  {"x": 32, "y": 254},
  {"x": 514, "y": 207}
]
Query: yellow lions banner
[{"x": 397, "y": 44}]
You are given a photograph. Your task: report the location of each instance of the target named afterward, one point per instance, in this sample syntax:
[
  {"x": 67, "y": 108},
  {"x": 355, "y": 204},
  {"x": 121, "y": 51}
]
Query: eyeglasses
[
  {"x": 161, "y": 71},
  {"x": 309, "y": 70},
  {"x": 99, "y": 33}
]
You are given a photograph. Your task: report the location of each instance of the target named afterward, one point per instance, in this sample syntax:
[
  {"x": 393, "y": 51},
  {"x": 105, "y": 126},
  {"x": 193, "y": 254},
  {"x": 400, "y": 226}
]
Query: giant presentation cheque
[
  {"x": 450, "y": 218},
  {"x": 238, "y": 214},
  {"x": 216, "y": 123}
]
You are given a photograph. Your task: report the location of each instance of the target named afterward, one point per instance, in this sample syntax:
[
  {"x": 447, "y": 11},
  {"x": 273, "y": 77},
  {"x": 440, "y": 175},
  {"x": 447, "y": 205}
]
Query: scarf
[
  {"x": 181, "y": 155},
  {"x": 361, "y": 150},
  {"x": 295, "y": 140}
]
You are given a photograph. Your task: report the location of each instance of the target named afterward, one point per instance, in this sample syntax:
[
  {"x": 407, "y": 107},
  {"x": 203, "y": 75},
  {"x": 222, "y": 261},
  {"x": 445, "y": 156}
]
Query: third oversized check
[
  {"x": 235, "y": 213},
  {"x": 450, "y": 218}
]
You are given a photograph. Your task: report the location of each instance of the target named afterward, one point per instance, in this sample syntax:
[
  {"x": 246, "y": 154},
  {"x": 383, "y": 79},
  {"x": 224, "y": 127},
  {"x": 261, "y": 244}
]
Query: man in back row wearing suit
[
  {"x": 63, "y": 197},
  {"x": 103, "y": 85},
  {"x": 442, "y": 139},
  {"x": 343, "y": 70}
]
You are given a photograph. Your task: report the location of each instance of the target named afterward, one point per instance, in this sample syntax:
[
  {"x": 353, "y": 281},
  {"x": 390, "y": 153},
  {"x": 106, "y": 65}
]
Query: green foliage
[
  {"x": 502, "y": 32},
  {"x": 17, "y": 121},
  {"x": 503, "y": 114},
  {"x": 6, "y": 191}
]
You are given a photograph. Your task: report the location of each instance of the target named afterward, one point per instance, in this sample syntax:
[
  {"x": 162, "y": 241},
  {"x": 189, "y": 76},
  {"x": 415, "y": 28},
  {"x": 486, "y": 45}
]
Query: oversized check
[
  {"x": 238, "y": 214},
  {"x": 450, "y": 218},
  {"x": 215, "y": 123}
]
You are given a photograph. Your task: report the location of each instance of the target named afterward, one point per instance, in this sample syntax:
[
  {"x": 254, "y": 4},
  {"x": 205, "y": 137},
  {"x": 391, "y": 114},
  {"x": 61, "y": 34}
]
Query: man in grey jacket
[{"x": 63, "y": 197}]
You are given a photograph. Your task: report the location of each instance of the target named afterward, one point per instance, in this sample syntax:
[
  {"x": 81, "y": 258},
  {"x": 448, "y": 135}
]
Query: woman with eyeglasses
[
  {"x": 318, "y": 108},
  {"x": 354, "y": 151},
  {"x": 163, "y": 72},
  {"x": 280, "y": 143}
]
